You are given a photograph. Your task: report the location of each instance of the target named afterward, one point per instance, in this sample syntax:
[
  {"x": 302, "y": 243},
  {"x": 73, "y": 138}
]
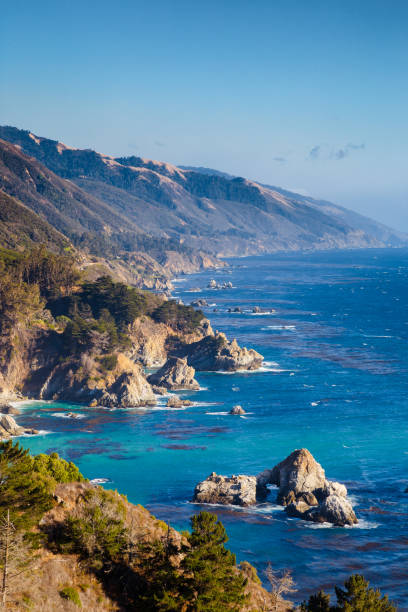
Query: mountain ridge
[{"x": 201, "y": 209}]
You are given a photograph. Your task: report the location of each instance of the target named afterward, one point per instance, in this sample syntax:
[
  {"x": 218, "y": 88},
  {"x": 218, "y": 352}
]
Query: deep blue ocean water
[{"x": 335, "y": 381}]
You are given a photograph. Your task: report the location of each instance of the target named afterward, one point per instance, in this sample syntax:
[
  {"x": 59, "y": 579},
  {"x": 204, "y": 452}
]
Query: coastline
[{"x": 246, "y": 445}]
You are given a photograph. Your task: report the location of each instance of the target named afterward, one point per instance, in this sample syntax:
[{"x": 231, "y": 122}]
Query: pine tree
[
  {"x": 359, "y": 597},
  {"x": 26, "y": 494},
  {"x": 211, "y": 581},
  {"x": 161, "y": 591},
  {"x": 317, "y": 603}
]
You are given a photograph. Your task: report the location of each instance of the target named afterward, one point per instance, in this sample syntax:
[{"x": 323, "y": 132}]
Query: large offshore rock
[
  {"x": 175, "y": 374},
  {"x": 238, "y": 490},
  {"x": 298, "y": 473},
  {"x": 305, "y": 491}
]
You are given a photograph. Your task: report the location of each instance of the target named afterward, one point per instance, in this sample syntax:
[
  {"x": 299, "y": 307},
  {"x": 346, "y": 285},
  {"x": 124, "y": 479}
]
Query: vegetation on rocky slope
[
  {"x": 138, "y": 562},
  {"x": 57, "y": 330}
]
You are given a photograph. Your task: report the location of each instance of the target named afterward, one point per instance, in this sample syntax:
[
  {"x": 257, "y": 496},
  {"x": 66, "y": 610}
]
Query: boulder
[
  {"x": 305, "y": 491},
  {"x": 8, "y": 426},
  {"x": 176, "y": 402},
  {"x": 335, "y": 509},
  {"x": 237, "y": 410},
  {"x": 212, "y": 284},
  {"x": 256, "y": 309},
  {"x": 237, "y": 490},
  {"x": 8, "y": 409},
  {"x": 175, "y": 374},
  {"x": 93, "y": 403}
]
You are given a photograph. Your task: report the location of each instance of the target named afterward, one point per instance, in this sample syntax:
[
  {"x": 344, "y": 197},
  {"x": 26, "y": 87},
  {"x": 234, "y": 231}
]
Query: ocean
[{"x": 333, "y": 332}]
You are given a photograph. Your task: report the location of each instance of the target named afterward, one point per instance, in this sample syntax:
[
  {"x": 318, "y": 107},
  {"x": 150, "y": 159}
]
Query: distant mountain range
[{"x": 110, "y": 206}]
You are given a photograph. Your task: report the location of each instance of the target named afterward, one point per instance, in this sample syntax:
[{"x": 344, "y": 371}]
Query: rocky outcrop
[
  {"x": 305, "y": 491},
  {"x": 9, "y": 428},
  {"x": 237, "y": 490},
  {"x": 200, "y": 303},
  {"x": 84, "y": 381},
  {"x": 129, "y": 389},
  {"x": 237, "y": 410},
  {"x": 175, "y": 374},
  {"x": 176, "y": 402},
  {"x": 215, "y": 352}
]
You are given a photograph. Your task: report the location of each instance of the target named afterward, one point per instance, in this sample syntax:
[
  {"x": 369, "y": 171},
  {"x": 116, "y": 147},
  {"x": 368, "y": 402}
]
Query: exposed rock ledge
[
  {"x": 238, "y": 490},
  {"x": 215, "y": 352},
  {"x": 175, "y": 374},
  {"x": 303, "y": 490}
]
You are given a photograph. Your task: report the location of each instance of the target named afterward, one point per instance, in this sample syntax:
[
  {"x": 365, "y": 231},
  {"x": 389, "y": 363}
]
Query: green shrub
[
  {"x": 56, "y": 467},
  {"x": 72, "y": 595}
]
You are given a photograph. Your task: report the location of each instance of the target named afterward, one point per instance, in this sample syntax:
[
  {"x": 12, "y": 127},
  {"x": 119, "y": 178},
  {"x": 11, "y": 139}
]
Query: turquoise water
[{"x": 334, "y": 381}]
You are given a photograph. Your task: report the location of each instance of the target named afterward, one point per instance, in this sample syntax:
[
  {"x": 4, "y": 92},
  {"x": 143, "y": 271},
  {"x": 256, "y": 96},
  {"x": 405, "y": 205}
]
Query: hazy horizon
[{"x": 311, "y": 98}]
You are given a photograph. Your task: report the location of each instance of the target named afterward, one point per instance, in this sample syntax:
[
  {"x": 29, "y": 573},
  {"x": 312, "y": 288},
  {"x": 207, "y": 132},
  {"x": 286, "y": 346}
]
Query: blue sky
[{"x": 309, "y": 95}]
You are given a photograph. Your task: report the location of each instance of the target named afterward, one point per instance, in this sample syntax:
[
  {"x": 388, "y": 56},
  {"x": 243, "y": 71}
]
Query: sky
[{"x": 309, "y": 95}]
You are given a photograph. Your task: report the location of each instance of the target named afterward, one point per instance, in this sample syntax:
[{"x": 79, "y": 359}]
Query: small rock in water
[
  {"x": 237, "y": 410},
  {"x": 176, "y": 402},
  {"x": 72, "y": 415},
  {"x": 256, "y": 309},
  {"x": 200, "y": 303},
  {"x": 93, "y": 403}
]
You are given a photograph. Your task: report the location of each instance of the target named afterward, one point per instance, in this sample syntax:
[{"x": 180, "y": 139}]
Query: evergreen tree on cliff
[
  {"x": 211, "y": 582},
  {"x": 359, "y": 597}
]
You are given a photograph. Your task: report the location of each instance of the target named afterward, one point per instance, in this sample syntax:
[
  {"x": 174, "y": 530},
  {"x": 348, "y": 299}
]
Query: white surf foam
[{"x": 64, "y": 415}]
